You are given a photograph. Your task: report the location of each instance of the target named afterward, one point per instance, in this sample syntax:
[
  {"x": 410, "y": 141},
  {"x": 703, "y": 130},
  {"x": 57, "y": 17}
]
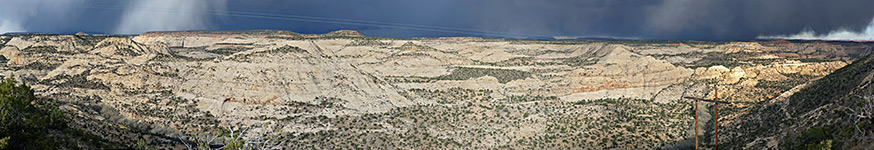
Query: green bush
[
  {"x": 22, "y": 125},
  {"x": 30, "y": 122},
  {"x": 812, "y": 139}
]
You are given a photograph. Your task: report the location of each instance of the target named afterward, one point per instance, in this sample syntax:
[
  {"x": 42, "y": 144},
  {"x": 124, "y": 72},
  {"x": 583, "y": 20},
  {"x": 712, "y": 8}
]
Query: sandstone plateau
[{"x": 344, "y": 90}]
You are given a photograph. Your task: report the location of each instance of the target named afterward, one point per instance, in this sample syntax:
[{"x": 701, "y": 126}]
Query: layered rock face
[{"x": 342, "y": 89}]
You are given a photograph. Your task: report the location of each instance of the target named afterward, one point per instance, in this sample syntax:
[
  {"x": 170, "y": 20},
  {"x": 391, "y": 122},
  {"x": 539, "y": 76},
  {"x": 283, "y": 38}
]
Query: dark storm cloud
[
  {"x": 106, "y": 16},
  {"x": 507, "y": 18},
  {"x": 645, "y": 19},
  {"x": 745, "y": 19},
  {"x": 666, "y": 19}
]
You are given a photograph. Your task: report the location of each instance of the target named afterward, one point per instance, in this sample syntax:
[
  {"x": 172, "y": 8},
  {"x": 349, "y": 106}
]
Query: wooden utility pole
[
  {"x": 696, "y": 125},
  {"x": 716, "y": 115}
]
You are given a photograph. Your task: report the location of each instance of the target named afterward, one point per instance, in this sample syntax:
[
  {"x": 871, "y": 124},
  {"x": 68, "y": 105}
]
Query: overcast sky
[{"x": 632, "y": 19}]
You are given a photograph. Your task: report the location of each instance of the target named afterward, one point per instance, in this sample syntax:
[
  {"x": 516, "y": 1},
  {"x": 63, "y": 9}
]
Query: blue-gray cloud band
[{"x": 651, "y": 19}]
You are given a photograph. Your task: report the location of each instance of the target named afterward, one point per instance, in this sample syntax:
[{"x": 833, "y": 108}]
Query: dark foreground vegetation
[{"x": 28, "y": 122}]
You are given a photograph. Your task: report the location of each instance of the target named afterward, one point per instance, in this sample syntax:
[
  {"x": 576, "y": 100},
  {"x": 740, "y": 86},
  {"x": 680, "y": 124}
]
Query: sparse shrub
[{"x": 234, "y": 138}]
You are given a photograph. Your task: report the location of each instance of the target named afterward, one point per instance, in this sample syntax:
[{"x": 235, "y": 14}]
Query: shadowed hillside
[{"x": 834, "y": 112}]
